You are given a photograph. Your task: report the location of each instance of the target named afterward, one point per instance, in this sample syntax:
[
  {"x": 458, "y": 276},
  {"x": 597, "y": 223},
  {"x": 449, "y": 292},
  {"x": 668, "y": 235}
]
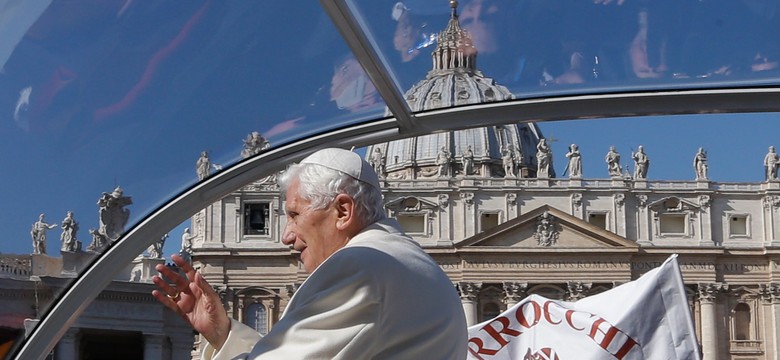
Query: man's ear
[{"x": 345, "y": 210}]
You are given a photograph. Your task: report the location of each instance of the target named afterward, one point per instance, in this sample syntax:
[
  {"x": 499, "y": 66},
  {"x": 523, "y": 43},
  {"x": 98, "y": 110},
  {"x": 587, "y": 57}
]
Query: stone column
[
  {"x": 576, "y": 205},
  {"x": 771, "y": 205},
  {"x": 468, "y": 298},
  {"x": 514, "y": 292},
  {"x": 444, "y": 220},
  {"x": 705, "y": 221},
  {"x": 511, "y": 206},
  {"x": 469, "y": 214},
  {"x": 644, "y": 223},
  {"x": 770, "y": 294},
  {"x": 68, "y": 346},
  {"x": 709, "y": 325},
  {"x": 618, "y": 217},
  {"x": 154, "y": 346}
]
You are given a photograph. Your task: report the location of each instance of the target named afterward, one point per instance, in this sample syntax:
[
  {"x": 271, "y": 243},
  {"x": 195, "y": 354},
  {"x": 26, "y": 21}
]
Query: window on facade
[
  {"x": 256, "y": 218},
  {"x": 488, "y": 221},
  {"x": 412, "y": 223},
  {"x": 673, "y": 224},
  {"x": 257, "y": 318},
  {"x": 490, "y": 311},
  {"x": 598, "y": 219},
  {"x": 742, "y": 322},
  {"x": 738, "y": 225}
]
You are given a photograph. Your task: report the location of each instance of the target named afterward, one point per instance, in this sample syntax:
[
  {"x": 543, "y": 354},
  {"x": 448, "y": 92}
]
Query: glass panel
[
  {"x": 257, "y": 317},
  {"x": 547, "y": 48},
  {"x": 110, "y": 108}
]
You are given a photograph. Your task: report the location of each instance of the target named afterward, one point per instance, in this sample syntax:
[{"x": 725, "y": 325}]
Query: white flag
[{"x": 647, "y": 318}]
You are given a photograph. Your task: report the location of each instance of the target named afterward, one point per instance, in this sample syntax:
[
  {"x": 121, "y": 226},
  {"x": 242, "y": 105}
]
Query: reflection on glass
[
  {"x": 547, "y": 47},
  {"x": 139, "y": 100}
]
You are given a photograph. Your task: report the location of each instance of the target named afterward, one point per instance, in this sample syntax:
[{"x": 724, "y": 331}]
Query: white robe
[{"x": 379, "y": 297}]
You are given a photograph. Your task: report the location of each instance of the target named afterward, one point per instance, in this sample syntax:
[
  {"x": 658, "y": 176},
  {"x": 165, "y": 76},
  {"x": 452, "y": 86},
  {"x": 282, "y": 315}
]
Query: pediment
[
  {"x": 547, "y": 228},
  {"x": 410, "y": 204},
  {"x": 672, "y": 204}
]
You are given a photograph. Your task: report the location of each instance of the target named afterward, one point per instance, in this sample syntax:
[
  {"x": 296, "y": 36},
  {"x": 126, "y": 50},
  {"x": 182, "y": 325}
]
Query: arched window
[
  {"x": 490, "y": 311},
  {"x": 257, "y": 317},
  {"x": 742, "y": 322}
]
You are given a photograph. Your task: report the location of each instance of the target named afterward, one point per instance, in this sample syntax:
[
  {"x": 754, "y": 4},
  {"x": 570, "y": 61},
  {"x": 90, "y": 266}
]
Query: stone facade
[{"x": 500, "y": 239}]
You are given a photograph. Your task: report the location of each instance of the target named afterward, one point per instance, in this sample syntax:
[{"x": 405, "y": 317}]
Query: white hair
[{"x": 320, "y": 185}]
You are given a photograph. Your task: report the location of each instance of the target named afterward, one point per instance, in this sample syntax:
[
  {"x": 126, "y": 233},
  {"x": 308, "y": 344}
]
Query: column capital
[
  {"x": 708, "y": 292},
  {"x": 515, "y": 291},
  {"x": 577, "y": 289},
  {"x": 469, "y": 290},
  {"x": 770, "y": 293}
]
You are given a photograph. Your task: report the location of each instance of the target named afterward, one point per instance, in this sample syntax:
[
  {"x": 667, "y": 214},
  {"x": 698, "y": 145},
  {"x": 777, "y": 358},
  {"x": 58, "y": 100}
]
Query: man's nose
[{"x": 288, "y": 238}]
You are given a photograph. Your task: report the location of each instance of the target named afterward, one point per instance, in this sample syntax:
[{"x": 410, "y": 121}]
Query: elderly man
[{"x": 372, "y": 291}]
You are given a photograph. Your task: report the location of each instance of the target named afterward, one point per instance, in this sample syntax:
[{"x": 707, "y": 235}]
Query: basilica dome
[{"x": 484, "y": 152}]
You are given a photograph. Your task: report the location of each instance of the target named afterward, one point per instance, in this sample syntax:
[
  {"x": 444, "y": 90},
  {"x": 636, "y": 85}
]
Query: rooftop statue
[
  {"x": 113, "y": 215},
  {"x": 771, "y": 161},
  {"x": 68, "y": 237},
  {"x": 543, "y": 159},
  {"x": 253, "y": 144},
  {"x": 203, "y": 166},
  {"x": 700, "y": 164},
  {"x": 613, "y": 162},
  {"x": 156, "y": 249},
  {"x": 641, "y": 163},
  {"x": 186, "y": 245},
  {"x": 468, "y": 161},
  {"x": 574, "y": 166},
  {"x": 38, "y": 233},
  {"x": 99, "y": 241},
  {"x": 378, "y": 162},
  {"x": 508, "y": 161}
]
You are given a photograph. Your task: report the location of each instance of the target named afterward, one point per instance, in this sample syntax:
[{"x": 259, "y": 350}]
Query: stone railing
[
  {"x": 499, "y": 182},
  {"x": 746, "y": 346},
  {"x": 15, "y": 266}
]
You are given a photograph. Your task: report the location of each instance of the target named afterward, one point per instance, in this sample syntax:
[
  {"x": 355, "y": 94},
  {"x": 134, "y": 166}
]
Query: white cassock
[{"x": 379, "y": 297}]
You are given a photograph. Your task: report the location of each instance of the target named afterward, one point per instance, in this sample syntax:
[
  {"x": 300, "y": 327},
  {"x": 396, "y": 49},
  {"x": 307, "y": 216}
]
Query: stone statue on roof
[
  {"x": 613, "y": 162},
  {"x": 38, "y": 233},
  {"x": 253, "y": 144},
  {"x": 113, "y": 215},
  {"x": 771, "y": 161},
  {"x": 700, "y": 164},
  {"x": 156, "y": 249},
  {"x": 641, "y": 163},
  {"x": 68, "y": 237},
  {"x": 543, "y": 159}
]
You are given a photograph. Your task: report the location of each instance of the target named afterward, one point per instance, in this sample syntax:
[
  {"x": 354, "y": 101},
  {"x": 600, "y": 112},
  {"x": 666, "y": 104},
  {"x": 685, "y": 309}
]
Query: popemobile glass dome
[{"x": 121, "y": 120}]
